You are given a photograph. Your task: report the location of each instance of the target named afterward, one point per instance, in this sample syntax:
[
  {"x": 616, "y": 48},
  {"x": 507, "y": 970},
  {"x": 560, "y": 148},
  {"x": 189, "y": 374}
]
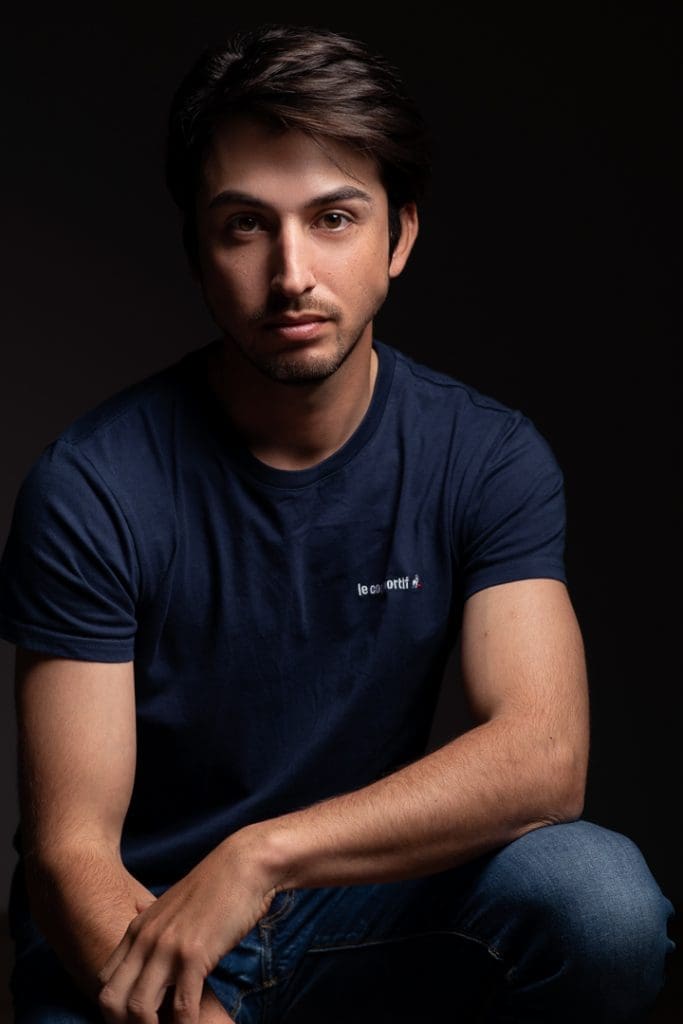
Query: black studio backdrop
[{"x": 543, "y": 276}]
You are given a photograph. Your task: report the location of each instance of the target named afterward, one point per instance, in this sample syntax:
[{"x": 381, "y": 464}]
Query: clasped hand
[{"x": 177, "y": 941}]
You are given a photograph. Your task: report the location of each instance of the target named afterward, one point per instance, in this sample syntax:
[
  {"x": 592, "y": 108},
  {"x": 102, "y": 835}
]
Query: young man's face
[{"x": 293, "y": 244}]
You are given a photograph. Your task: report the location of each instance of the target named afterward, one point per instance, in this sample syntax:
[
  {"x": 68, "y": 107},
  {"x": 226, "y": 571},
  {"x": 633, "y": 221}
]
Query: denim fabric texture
[{"x": 564, "y": 924}]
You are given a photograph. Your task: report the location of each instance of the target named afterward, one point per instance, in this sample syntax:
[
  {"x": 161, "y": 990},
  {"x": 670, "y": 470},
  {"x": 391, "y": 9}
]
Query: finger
[
  {"x": 126, "y": 996},
  {"x": 116, "y": 959},
  {"x": 148, "y": 993},
  {"x": 144, "y": 901},
  {"x": 187, "y": 997}
]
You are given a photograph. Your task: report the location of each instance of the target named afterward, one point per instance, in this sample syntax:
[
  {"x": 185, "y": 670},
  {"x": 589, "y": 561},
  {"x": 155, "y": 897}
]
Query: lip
[{"x": 299, "y": 328}]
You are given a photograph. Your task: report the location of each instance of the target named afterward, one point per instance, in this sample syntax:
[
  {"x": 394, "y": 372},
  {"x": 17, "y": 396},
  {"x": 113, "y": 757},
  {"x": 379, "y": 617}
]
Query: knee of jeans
[{"x": 591, "y": 890}]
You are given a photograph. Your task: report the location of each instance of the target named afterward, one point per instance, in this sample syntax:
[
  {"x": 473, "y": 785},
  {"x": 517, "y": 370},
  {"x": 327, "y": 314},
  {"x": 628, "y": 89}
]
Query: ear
[{"x": 409, "y": 229}]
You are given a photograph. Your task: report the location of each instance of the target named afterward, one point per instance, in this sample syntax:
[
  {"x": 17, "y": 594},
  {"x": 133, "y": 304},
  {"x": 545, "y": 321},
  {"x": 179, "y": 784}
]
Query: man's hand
[{"x": 176, "y": 942}]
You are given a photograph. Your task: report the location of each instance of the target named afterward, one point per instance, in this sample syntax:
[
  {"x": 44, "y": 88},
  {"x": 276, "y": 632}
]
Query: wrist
[
  {"x": 83, "y": 898},
  {"x": 268, "y": 847}
]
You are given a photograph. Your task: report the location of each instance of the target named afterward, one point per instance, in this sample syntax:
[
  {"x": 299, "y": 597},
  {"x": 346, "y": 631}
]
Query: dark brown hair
[{"x": 326, "y": 84}]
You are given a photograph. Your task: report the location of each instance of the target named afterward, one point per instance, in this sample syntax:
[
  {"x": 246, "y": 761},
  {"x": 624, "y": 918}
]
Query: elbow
[
  {"x": 563, "y": 810},
  {"x": 574, "y": 797},
  {"x": 564, "y": 793}
]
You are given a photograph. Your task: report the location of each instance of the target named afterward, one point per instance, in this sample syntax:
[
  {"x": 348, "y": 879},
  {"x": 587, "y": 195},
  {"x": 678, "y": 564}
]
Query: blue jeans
[{"x": 564, "y": 924}]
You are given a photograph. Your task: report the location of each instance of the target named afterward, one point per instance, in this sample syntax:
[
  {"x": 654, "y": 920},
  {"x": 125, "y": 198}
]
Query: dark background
[{"x": 543, "y": 276}]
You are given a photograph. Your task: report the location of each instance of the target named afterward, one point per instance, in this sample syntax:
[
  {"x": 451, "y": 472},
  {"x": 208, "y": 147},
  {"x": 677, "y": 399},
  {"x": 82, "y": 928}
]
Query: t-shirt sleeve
[
  {"x": 515, "y": 523},
  {"x": 69, "y": 575}
]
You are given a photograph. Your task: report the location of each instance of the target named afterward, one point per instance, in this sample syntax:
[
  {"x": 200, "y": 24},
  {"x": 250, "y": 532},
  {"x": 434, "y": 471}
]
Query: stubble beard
[{"x": 297, "y": 371}]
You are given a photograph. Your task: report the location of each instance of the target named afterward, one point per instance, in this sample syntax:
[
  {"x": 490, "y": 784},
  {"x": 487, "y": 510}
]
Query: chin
[
  {"x": 291, "y": 370},
  {"x": 301, "y": 367}
]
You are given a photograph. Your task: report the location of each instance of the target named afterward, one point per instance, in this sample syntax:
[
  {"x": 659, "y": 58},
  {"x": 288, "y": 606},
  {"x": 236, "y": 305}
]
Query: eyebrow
[{"x": 338, "y": 195}]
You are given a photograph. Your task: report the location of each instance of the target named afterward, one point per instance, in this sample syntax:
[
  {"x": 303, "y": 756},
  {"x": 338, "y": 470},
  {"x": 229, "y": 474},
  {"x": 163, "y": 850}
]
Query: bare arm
[
  {"x": 523, "y": 766},
  {"x": 77, "y": 764}
]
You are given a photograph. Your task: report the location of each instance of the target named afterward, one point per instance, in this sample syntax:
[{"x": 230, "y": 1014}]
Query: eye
[
  {"x": 334, "y": 220},
  {"x": 244, "y": 223}
]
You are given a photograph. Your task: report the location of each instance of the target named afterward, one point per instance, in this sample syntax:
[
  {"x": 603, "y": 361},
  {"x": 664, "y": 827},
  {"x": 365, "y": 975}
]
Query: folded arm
[
  {"x": 76, "y": 768},
  {"x": 523, "y": 766}
]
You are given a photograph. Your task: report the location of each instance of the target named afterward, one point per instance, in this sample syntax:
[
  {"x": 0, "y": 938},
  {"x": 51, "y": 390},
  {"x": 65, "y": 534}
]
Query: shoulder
[
  {"x": 125, "y": 440},
  {"x": 470, "y": 425},
  {"x": 129, "y": 411},
  {"x": 112, "y": 472},
  {"x": 445, "y": 396}
]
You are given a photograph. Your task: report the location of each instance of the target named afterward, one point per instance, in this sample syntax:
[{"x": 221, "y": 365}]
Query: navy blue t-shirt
[{"x": 289, "y": 629}]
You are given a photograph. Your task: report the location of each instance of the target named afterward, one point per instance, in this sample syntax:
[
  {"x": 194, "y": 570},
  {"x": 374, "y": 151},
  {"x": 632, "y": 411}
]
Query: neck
[{"x": 293, "y": 426}]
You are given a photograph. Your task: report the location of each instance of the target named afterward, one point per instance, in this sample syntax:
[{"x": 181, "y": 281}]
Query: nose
[{"x": 292, "y": 266}]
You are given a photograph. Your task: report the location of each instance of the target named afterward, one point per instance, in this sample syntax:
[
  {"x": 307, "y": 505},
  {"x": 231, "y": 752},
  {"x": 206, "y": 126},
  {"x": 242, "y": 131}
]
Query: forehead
[{"x": 251, "y": 156}]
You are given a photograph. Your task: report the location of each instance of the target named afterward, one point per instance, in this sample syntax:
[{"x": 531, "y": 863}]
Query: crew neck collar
[{"x": 194, "y": 369}]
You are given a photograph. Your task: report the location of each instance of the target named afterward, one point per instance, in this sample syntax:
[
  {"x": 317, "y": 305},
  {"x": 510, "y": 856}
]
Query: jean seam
[
  {"x": 495, "y": 953},
  {"x": 268, "y": 981},
  {"x": 270, "y": 919},
  {"x": 255, "y": 991}
]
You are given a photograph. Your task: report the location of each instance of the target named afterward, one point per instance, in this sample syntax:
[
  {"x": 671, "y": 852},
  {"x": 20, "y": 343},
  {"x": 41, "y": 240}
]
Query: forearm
[
  {"x": 83, "y": 899},
  {"x": 523, "y": 667},
  {"x": 478, "y": 792}
]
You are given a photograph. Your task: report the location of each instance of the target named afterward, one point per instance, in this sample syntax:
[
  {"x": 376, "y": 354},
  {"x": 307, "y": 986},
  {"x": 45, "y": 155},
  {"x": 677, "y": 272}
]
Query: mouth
[{"x": 296, "y": 328}]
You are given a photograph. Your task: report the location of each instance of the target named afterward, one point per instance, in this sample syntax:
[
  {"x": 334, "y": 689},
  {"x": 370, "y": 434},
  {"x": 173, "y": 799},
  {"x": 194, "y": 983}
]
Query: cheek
[
  {"x": 364, "y": 274},
  {"x": 372, "y": 275},
  {"x": 232, "y": 282}
]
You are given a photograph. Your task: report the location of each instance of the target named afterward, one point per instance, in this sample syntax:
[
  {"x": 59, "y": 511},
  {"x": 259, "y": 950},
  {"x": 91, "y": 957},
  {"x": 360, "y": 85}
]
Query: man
[{"x": 233, "y": 590}]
